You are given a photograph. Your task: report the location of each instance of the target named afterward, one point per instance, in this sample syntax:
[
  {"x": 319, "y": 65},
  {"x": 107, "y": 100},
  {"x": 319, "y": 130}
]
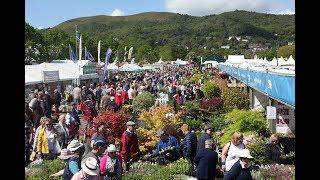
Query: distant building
[
  {"x": 225, "y": 47},
  {"x": 257, "y": 47}
]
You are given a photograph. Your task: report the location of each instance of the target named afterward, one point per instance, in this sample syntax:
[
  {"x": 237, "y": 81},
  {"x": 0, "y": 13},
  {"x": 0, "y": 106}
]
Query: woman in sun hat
[
  {"x": 73, "y": 164},
  {"x": 90, "y": 170},
  {"x": 65, "y": 155},
  {"x": 241, "y": 169},
  {"x": 110, "y": 164}
]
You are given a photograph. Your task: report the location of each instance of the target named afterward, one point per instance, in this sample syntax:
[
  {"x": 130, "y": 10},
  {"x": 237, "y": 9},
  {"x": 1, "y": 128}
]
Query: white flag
[
  {"x": 130, "y": 53},
  {"x": 80, "y": 47},
  {"x": 99, "y": 46}
]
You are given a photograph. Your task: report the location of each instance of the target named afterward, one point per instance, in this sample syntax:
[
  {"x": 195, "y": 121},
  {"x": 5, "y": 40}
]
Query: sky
[{"x": 48, "y": 13}]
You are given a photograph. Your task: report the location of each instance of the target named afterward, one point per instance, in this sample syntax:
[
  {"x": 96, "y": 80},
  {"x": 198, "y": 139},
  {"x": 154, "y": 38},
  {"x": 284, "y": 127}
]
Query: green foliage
[
  {"x": 258, "y": 151},
  {"x": 194, "y": 124},
  {"x": 46, "y": 168},
  {"x": 143, "y": 101},
  {"x": 268, "y": 54},
  {"x": 244, "y": 121},
  {"x": 147, "y": 170},
  {"x": 210, "y": 90},
  {"x": 234, "y": 98},
  {"x": 217, "y": 122},
  {"x": 286, "y": 51}
]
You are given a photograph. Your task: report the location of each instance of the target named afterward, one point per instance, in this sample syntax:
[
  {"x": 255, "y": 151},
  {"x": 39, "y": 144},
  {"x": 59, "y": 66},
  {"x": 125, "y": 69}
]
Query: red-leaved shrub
[
  {"x": 212, "y": 104},
  {"x": 115, "y": 122}
]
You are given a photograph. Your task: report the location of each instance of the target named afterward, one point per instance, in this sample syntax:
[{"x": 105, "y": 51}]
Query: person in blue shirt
[{"x": 168, "y": 149}]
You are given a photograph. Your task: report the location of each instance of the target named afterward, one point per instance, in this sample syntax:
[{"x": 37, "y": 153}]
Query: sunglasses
[{"x": 48, "y": 124}]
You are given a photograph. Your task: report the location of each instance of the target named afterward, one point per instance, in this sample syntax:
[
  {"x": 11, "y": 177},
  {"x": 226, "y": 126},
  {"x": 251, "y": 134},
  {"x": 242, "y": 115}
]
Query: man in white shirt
[{"x": 77, "y": 94}]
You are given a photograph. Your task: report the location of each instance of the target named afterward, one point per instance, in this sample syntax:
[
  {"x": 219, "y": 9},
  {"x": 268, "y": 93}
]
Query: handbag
[{"x": 33, "y": 156}]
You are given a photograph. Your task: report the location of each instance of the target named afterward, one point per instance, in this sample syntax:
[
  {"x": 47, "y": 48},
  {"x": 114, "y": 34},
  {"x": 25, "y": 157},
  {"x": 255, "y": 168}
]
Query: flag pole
[{"x": 76, "y": 39}]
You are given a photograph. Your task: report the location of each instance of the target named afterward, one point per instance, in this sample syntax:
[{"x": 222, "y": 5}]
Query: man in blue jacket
[
  {"x": 189, "y": 145},
  {"x": 206, "y": 161},
  {"x": 168, "y": 149}
]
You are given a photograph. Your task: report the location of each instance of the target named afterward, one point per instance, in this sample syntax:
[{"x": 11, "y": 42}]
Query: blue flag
[
  {"x": 89, "y": 56},
  {"x": 108, "y": 55},
  {"x": 72, "y": 56}
]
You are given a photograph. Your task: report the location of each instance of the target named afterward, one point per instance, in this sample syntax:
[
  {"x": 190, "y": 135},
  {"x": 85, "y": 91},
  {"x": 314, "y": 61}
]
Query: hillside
[
  {"x": 169, "y": 36},
  {"x": 177, "y": 28}
]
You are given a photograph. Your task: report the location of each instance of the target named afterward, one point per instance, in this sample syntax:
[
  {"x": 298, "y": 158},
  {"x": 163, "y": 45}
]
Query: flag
[
  {"x": 80, "y": 48},
  {"x": 99, "y": 47},
  {"x": 72, "y": 56},
  {"x": 77, "y": 35},
  {"x": 108, "y": 55},
  {"x": 89, "y": 56},
  {"x": 130, "y": 53}
]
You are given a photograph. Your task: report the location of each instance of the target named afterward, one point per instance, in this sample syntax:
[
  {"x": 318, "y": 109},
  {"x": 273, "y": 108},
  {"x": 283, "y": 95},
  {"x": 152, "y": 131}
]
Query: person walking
[
  {"x": 230, "y": 151},
  {"x": 110, "y": 164},
  {"x": 189, "y": 144},
  {"x": 274, "y": 150},
  {"x": 206, "y": 161},
  {"x": 89, "y": 170},
  {"x": 207, "y": 134},
  {"x": 63, "y": 131},
  {"x": 130, "y": 151},
  {"x": 57, "y": 102}
]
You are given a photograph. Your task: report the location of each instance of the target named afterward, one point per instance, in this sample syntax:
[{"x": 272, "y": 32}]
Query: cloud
[
  {"x": 40, "y": 27},
  {"x": 207, "y": 7},
  {"x": 117, "y": 12},
  {"x": 286, "y": 12}
]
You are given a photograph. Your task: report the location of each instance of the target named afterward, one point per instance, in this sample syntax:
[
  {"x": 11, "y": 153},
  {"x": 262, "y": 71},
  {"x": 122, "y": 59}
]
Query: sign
[
  {"x": 89, "y": 69},
  {"x": 271, "y": 112},
  {"x": 163, "y": 98},
  {"x": 283, "y": 119},
  {"x": 50, "y": 76}
]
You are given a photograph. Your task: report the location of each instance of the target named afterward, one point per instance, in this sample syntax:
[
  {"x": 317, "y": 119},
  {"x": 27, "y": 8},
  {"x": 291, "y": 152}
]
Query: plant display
[
  {"x": 43, "y": 169},
  {"x": 143, "y": 101},
  {"x": 258, "y": 150},
  {"x": 193, "y": 124},
  {"x": 285, "y": 172},
  {"x": 151, "y": 122},
  {"x": 212, "y": 104},
  {"x": 217, "y": 122},
  {"x": 244, "y": 121},
  {"x": 210, "y": 90},
  {"x": 147, "y": 170},
  {"x": 234, "y": 98},
  {"x": 115, "y": 122}
]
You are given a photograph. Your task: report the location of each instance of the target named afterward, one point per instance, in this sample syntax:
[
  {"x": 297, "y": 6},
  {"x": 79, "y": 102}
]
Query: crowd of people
[{"x": 101, "y": 159}]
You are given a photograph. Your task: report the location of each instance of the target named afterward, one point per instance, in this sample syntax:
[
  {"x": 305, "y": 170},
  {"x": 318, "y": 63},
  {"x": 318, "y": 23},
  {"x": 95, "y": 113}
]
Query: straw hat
[
  {"x": 90, "y": 166},
  {"x": 74, "y": 145},
  {"x": 244, "y": 153},
  {"x": 112, "y": 148},
  {"x": 65, "y": 154}
]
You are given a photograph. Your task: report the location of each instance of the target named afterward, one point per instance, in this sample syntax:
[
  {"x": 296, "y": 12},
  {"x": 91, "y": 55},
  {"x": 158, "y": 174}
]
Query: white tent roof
[
  {"x": 68, "y": 70},
  {"x": 112, "y": 67},
  {"x": 235, "y": 59},
  {"x": 290, "y": 61},
  {"x": 130, "y": 67}
]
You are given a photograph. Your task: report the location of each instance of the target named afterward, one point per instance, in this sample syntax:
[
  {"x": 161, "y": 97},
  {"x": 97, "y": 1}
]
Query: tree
[
  {"x": 145, "y": 53},
  {"x": 286, "y": 51},
  {"x": 166, "y": 53},
  {"x": 35, "y": 45},
  {"x": 58, "y": 42}
]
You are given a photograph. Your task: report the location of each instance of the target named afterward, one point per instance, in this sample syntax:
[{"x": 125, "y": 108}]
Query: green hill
[
  {"x": 181, "y": 28},
  {"x": 170, "y": 35}
]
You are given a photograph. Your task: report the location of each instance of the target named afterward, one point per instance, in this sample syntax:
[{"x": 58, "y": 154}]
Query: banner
[
  {"x": 277, "y": 86},
  {"x": 50, "y": 76}
]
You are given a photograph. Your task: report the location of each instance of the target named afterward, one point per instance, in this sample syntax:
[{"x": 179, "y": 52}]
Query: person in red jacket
[
  {"x": 118, "y": 98},
  {"x": 130, "y": 151},
  {"x": 124, "y": 96}
]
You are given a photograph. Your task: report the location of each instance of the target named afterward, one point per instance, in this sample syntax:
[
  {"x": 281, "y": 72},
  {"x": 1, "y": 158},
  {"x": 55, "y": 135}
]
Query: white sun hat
[
  {"x": 112, "y": 148},
  {"x": 90, "y": 166},
  {"x": 244, "y": 153},
  {"x": 74, "y": 145}
]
